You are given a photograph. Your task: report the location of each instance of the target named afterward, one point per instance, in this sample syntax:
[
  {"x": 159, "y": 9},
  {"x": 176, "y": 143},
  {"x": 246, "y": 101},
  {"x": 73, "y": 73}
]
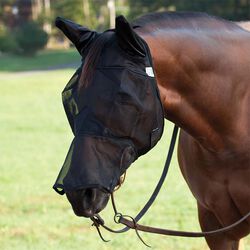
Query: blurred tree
[
  {"x": 91, "y": 13},
  {"x": 30, "y": 38},
  {"x": 47, "y": 12},
  {"x": 37, "y": 7},
  {"x": 6, "y": 12},
  {"x": 112, "y": 12},
  {"x": 81, "y": 11},
  {"x": 99, "y": 15}
]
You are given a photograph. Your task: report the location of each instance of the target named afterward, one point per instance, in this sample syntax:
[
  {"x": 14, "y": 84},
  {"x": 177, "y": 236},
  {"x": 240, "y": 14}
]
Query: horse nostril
[
  {"x": 87, "y": 202},
  {"x": 90, "y": 194}
]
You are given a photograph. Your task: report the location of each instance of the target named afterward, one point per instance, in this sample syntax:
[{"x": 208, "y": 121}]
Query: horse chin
[{"x": 88, "y": 202}]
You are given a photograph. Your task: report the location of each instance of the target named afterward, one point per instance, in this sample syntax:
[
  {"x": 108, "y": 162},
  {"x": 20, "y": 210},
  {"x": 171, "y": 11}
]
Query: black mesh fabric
[{"x": 115, "y": 119}]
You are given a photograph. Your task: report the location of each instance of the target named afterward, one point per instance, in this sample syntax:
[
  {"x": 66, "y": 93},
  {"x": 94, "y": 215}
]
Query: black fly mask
[{"x": 117, "y": 116}]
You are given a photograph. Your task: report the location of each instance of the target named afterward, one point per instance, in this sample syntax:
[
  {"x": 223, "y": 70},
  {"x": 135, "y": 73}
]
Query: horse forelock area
[{"x": 91, "y": 59}]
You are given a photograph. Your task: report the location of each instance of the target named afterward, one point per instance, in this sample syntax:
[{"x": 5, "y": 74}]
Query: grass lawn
[
  {"x": 43, "y": 60},
  {"x": 35, "y": 137}
]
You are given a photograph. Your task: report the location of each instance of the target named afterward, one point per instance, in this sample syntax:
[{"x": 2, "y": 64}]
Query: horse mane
[
  {"x": 150, "y": 22},
  {"x": 183, "y": 20}
]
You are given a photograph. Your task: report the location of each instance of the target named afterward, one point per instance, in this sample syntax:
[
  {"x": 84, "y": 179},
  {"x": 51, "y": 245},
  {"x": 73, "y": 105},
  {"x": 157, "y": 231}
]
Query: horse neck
[{"x": 198, "y": 78}]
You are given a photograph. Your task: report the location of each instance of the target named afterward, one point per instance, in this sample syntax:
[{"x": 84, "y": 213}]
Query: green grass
[
  {"x": 43, "y": 60},
  {"x": 35, "y": 137}
]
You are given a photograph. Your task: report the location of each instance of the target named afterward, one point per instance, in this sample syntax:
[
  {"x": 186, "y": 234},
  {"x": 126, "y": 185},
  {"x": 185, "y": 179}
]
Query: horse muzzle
[
  {"x": 94, "y": 163},
  {"x": 88, "y": 202}
]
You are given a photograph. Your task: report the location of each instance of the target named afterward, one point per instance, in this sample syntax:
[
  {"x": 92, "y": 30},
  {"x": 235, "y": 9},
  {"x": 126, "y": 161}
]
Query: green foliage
[
  {"x": 30, "y": 38},
  {"x": 27, "y": 39},
  {"x": 74, "y": 10},
  {"x": 93, "y": 14},
  {"x": 7, "y": 41},
  {"x": 71, "y": 9}
]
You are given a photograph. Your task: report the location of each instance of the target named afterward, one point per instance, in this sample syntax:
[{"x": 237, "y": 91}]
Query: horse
[{"x": 201, "y": 65}]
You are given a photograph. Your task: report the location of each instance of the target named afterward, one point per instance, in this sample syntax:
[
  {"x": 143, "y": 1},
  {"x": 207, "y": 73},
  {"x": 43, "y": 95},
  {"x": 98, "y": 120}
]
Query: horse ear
[
  {"x": 127, "y": 38},
  {"x": 80, "y": 36}
]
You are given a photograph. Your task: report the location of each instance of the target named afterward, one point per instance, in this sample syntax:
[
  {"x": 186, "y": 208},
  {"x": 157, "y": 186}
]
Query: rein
[{"x": 132, "y": 223}]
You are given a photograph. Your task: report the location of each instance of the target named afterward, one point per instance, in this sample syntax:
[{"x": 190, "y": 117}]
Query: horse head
[{"x": 114, "y": 110}]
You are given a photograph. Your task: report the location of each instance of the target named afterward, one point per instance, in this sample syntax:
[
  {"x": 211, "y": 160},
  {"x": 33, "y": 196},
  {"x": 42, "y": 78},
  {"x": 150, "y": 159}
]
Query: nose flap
[{"x": 94, "y": 162}]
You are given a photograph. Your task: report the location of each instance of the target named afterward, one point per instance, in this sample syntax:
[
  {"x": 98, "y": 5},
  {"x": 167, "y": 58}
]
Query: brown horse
[{"x": 202, "y": 67}]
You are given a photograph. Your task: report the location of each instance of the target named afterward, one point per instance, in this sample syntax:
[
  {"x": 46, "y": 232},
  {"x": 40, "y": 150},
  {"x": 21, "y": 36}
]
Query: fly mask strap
[
  {"x": 132, "y": 223},
  {"x": 159, "y": 184},
  {"x": 98, "y": 221}
]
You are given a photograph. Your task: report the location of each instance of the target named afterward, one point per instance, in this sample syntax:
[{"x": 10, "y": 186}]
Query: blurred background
[
  {"x": 28, "y": 25},
  {"x": 36, "y": 62}
]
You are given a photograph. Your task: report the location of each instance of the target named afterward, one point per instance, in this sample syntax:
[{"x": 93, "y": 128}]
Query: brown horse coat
[{"x": 202, "y": 67}]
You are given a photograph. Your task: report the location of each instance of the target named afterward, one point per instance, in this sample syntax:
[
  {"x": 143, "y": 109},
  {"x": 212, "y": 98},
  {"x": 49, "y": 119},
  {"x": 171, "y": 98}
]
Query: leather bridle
[{"x": 132, "y": 223}]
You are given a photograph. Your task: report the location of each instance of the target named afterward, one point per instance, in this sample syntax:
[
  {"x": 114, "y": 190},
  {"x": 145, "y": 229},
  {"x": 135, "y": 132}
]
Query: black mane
[{"x": 177, "y": 20}]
